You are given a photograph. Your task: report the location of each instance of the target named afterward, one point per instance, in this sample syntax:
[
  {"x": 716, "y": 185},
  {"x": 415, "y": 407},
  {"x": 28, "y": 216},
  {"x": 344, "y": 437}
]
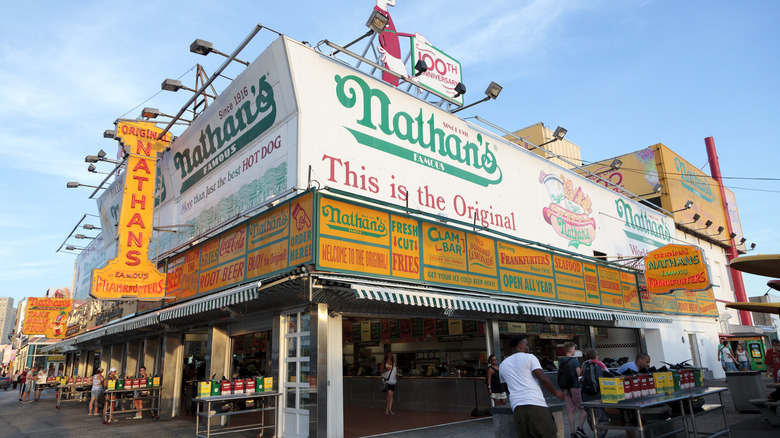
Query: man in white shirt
[{"x": 523, "y": 374}]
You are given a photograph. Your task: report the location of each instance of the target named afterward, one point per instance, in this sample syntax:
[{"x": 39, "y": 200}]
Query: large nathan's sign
[
  {"x": 238, "y": 153},
  {"x": 361, "y": 135},
  {"x": 131, "y": 274},
  {"x": 676, "y": 267}
]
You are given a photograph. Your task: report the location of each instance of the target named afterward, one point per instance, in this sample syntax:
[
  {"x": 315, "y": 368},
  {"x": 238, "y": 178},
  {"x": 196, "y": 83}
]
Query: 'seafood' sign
[
  {"x": 675, "y": 267},
  {"x": 131, "y": 274}
]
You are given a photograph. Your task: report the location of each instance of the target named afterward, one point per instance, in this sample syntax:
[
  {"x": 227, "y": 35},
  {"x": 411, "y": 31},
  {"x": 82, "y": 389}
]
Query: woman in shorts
[
  {"x": 97, "y": 388},
  {"x": 494, "y": 386}
]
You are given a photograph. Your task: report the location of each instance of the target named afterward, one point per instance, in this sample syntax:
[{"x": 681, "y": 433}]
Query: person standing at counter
[
  {"x": 592, "y": 370},
  {"x": 494, "y": 386},
  {"x": 138, "y": 403},
  {"x": 390, "y": 374},
  {"x": 569, "y": 380},
  {"x": 523, "y": 375},
  {"x": 97, "y": 388}
]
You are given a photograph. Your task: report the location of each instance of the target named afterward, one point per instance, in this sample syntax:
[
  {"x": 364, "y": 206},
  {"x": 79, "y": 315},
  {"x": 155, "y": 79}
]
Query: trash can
[{"x": 743, "y": 386}]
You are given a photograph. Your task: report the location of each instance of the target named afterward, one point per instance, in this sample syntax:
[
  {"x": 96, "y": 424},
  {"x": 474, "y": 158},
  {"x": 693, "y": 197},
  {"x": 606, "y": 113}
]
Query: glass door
[{"x": 295, "y": 373}]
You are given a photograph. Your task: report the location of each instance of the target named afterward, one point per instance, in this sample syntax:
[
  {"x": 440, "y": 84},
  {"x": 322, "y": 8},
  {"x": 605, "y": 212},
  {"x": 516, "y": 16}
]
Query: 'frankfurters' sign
[{"x": 675, "y": 267}]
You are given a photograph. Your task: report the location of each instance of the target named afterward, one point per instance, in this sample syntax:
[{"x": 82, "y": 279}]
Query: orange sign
[
  {"x": 47, "y": 316},
  {"x": 131, "y": 274},
  {"x": 675, "y": 267}
]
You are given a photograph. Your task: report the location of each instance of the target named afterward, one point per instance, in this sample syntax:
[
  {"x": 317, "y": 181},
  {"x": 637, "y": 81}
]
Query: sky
[{"x": 619, "y": 75}]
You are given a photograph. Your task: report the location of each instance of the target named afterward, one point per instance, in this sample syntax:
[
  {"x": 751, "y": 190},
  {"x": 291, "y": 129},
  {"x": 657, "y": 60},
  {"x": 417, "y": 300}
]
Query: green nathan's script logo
[
  {"x": 217, "y": 144},
  {"x": 354, "y": 223},
  {"x": 473, "y": 165}
]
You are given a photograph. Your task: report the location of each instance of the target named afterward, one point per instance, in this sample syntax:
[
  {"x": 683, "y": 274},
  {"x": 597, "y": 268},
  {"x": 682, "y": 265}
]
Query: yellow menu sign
[
  {"x": 46, "y": 316},
  {"x": 131, "y": 274}
]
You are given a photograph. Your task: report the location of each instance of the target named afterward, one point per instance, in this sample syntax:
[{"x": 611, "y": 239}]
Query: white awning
[
  {"x": 565, "y": 311},
  {"x": 133, "y": 323},
  {"x": 229, "y": 297},
  {"x": 637, "y": 317},
  {"x": 440, "y": 300}
]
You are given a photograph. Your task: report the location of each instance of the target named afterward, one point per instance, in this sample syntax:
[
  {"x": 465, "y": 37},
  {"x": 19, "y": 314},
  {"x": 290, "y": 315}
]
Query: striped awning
[
  {"x": 563, "y": 311},
  {"x": 64, "y": 345},
  {"x": 642, "y": 318},
  {"x": 229, "y": 297},
  {"x": 90, "y": 335},
  {"x": 434, "y": 299},
  {"x": 133, "y": 323}
]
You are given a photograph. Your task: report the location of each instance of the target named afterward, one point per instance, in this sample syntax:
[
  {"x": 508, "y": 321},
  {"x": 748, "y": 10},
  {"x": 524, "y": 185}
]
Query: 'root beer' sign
[{"x": 131, "y": 274}]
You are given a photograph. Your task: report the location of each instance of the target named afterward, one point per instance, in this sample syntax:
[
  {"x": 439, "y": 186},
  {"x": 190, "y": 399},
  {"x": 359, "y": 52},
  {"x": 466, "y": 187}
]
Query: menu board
[
  {"x": 273, "y": 242},
  {"x": 357, "y": 239}
]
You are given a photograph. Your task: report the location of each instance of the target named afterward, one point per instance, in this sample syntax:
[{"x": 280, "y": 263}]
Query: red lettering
[
  {"x": 134, "y": 200},
  {"x": 141, "y": 164},
  {"x": 136, "y": 220},
  {"x": 135, "y": 238},
  {"x": 132, "y": 258},
  {"x": 141, "y": 180},
  {"x": 144, "y": 149}
]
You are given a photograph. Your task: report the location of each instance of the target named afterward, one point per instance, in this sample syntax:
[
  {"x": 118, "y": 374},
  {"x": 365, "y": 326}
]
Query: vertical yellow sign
[{"x": 131, "y": 274}]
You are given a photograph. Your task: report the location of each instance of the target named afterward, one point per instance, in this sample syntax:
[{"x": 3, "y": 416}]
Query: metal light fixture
[
  {"x": 492, "y": 92},
  {"x": 377, "y": 22},
  {"x": 706, "y": 225},
  {"x": 558, "y": 134},
  {"x": 174, "y": 85},
  {"x": 742, "y": 241},
  {"x": 72, "y": 248},
  {"x": 615, "y": 164},
  {"x": 109, "y": 133},
  {"x": 153, "y": 113},
  {"x": 687, "y": 206},
  {"x": 420, "y": 67},
  {"x": 203, "y": 47},
  {"x": 720, "y": 230},
  {"x": 696, "y": 218},
  {"x": 752, "y": 246},
  {"x": 81, "y": 236},
  {"x": 90, "y": 227},
  {"x": 74, "y": 184},
  {"x": 460, "y": 90},
  {"x": 92, "y": 169}
]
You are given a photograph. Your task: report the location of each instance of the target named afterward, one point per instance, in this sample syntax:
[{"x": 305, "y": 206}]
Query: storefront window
[
  {"x": 422, "y": 346},
  {"x": 545, "y": 340},
  {"x": 250, "y": 354}
]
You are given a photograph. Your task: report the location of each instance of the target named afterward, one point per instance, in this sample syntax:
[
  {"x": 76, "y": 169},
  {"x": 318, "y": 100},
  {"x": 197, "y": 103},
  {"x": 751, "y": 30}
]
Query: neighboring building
[{"x": 7, "y": 318}]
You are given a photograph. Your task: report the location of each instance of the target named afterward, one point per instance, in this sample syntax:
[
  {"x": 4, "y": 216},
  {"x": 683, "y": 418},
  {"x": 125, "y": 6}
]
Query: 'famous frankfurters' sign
[
  {"x": 131, "y": 274},
  {"x": 675, "y": 267}
]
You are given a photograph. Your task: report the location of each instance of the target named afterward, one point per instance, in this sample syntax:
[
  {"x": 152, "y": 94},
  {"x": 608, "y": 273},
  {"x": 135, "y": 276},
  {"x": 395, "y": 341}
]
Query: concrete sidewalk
[{"x": 41, "y": 419}]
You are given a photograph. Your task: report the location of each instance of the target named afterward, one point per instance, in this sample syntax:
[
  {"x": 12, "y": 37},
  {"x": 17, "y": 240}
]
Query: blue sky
[{"x": 620, "y": 75}]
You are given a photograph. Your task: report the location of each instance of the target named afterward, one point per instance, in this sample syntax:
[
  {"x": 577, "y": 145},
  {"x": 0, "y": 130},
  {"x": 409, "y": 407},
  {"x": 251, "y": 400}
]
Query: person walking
[
  {"x": 390, "y": 374},
  {"x": 569, "y": 381},
  {"x": 592, "y": 370},
  {"x": 742, "y": 357},
  {"x": 726, "y": 356},
  {"x": 22, "y": 382},
  {"x": 97, "y": 388},
  {"x": 15, "y": 379},
  {"x": 523, "y": 375},
  {"x": 494, "y": 386}
]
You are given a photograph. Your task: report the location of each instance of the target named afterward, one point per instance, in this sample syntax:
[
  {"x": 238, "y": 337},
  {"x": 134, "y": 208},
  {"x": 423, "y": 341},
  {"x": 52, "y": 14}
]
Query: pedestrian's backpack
[
  {"x": 565, "y": 378},
  {"x": 590, "y": 379}
]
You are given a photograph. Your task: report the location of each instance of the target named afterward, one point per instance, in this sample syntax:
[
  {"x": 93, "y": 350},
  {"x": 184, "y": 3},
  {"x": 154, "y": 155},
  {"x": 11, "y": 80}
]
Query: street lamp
[{"x": 74, "y": 184}]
